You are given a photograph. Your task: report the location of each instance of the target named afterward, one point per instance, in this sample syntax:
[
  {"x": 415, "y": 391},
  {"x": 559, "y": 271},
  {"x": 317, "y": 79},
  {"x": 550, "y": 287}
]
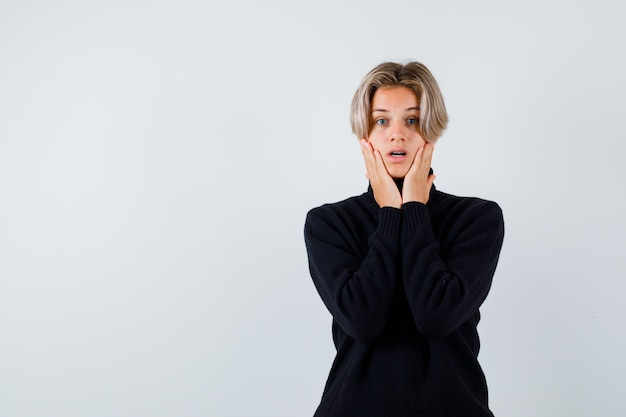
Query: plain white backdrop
[{"x": 157, "y": 160}]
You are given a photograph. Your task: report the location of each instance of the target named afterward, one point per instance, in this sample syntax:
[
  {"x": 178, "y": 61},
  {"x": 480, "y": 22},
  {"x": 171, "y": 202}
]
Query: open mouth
[{"x": 397, "y": 153}]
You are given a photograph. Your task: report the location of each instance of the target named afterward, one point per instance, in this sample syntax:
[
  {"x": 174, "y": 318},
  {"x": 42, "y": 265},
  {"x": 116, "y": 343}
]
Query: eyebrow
[{"x": 385, "y": 110}]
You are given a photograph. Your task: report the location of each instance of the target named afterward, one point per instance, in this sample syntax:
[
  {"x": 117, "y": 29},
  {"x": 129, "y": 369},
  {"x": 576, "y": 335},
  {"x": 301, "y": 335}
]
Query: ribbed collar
[{"x": 399, "y": 182}]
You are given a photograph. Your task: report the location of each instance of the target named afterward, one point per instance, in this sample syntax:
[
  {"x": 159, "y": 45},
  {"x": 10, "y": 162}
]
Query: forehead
[{"x": 395, "y": 97}]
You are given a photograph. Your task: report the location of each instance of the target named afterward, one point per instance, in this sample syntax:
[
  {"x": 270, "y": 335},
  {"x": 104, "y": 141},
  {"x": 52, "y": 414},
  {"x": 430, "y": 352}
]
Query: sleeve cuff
[
  {"x": 389, "y": 221},
  {"x": 415, "y": 216}
]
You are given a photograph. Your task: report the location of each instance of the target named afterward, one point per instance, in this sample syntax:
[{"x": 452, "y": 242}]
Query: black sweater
[{"x": 404, "y": 287}]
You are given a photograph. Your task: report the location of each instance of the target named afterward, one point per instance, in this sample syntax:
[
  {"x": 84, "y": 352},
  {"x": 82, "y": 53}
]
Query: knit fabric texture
[{"x": 404, "y": 287}]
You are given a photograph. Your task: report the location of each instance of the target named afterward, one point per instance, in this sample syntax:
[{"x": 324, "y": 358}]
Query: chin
[{"x": 398, "y": 175}]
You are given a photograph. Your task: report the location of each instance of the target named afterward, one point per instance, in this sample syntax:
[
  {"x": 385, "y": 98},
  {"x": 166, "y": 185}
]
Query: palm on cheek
[
  {"x": 418, "y": 181},
  {"x": 385, "y": 190}
]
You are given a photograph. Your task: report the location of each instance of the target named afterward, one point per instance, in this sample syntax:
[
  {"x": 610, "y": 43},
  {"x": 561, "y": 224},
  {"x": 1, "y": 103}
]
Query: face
[{"x": 394, "y": 132}]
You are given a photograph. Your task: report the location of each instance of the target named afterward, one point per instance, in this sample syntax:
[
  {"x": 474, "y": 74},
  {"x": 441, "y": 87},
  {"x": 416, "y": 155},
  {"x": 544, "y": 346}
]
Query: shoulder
[
  {"x": 470, "y": 209},
  {"x": 354, "y": 217},
  {"x": 442, "y": 199},
  {"x": 339, "y": 209}
]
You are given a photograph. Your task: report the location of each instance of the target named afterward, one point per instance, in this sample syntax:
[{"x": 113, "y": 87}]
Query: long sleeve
[
  {"x": 445, "y": 285},
  {"x": 396, "y": 281},
  {"x": 357, "y": 282}
]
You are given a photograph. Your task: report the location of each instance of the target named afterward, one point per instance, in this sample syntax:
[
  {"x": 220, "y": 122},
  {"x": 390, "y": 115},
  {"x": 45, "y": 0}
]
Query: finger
[
  {"x": 380, "y": 163},
  {"x": 427, "y": 157},
  {"x": 363, "y": 143},
  {"x": 367, "y": 151},
  {"x": 378, "y": 157},
  {"x": 415, "y": 166}
]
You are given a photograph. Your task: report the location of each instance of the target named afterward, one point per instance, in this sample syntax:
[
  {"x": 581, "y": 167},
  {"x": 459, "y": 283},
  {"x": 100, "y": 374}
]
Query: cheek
[
  {"x": 417, "y": 141},
  {"x": 374, "y": 139},
  {"x": 420, "y": 141}
]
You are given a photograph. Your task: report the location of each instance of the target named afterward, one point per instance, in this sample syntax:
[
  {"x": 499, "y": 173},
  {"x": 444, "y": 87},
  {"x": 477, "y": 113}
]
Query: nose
[{"x": 397, "y": 132}]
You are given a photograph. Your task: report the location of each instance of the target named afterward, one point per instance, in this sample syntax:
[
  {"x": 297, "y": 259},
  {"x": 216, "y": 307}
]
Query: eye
[
  {"x": 412, "y": 120},
  {"x": 381, "y": 122}
]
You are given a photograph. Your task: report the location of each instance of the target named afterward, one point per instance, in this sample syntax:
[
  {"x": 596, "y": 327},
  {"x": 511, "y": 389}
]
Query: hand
[
  {"x": 418, "y": 182},
  {"x": 386, "y": 191}
]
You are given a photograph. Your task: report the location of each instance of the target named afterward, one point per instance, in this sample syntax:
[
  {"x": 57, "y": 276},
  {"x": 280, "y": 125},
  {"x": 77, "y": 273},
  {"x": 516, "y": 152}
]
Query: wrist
[
  {"x": 396, "y": 203},
  {"x": 414, "y": 198}
]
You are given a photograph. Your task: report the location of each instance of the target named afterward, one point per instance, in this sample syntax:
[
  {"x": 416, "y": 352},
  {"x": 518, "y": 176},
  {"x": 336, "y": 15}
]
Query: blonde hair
[{"x": 413, "y": 75}]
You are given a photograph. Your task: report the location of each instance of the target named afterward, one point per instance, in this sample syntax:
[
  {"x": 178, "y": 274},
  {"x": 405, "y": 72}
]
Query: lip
[{"x": 397, "y": 158}]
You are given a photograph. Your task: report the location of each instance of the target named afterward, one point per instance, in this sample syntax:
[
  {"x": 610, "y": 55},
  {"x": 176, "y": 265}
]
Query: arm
[
  {"x": 357, "y": 288},
  {"x": 445, "y": 292}
]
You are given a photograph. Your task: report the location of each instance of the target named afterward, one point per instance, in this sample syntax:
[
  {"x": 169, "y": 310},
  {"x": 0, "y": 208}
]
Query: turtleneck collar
[{"x": 399, "y": 182}]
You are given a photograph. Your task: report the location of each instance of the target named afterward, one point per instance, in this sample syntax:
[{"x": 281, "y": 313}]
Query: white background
[{"x": 157, "y": 160}]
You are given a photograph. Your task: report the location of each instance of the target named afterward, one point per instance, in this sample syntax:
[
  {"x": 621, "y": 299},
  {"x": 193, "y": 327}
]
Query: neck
[{"x": 399, "y": 182}]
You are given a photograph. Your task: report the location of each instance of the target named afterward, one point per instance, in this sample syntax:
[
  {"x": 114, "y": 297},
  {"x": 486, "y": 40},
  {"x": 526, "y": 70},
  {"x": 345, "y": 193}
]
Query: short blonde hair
[{"x": 413, "y": 75}]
